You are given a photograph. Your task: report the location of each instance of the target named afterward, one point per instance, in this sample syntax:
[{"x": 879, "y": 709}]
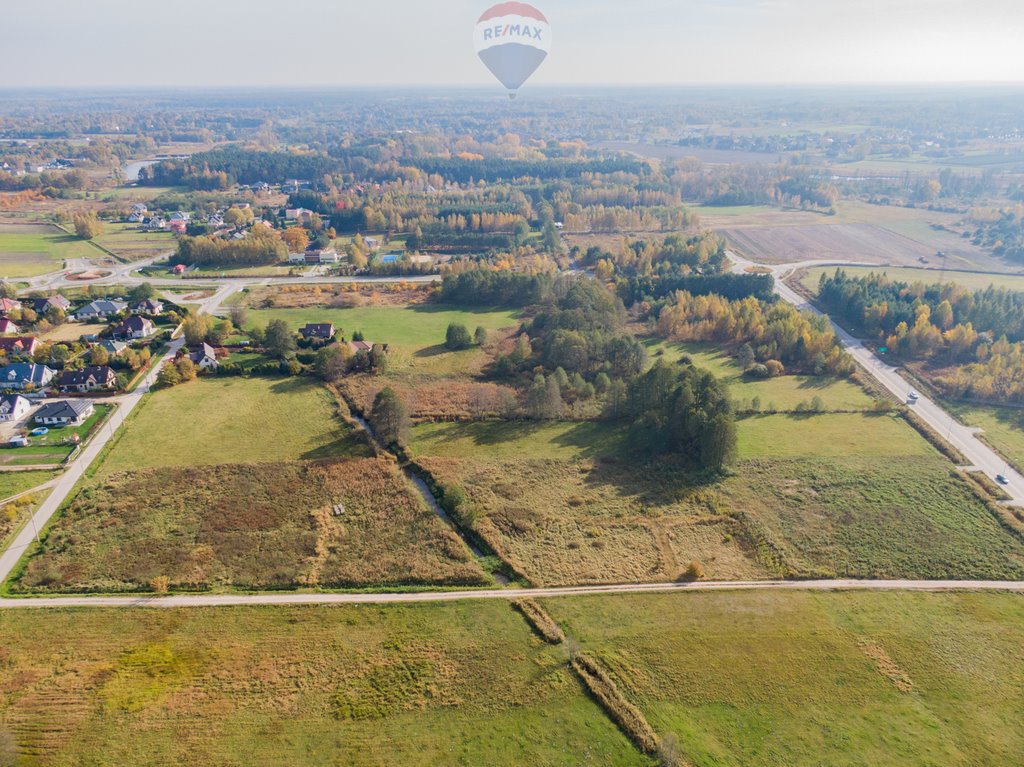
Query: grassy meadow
[
  {"x": 31, "y": 250},
  {"x": 784, "y": 393},
  {"x": 849, "y": 494},
  {"x": 454, "y": 684},
  {"x": 413, "y": 330},
  {"x": 233, "y": 420},
  {"x": 133, "y": 244},
  {"x": 801, "y": 679}
]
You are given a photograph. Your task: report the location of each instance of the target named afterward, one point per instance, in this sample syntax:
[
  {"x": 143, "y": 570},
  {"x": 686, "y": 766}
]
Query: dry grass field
[
  {"x": 421, "y": 686},
  {"x": 845, "y": 494},
  {"x": 250, "y": 526}
]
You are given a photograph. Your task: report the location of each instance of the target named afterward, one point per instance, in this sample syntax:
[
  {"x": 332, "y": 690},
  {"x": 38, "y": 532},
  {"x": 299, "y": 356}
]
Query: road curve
[{"x": 278, "y": 598}]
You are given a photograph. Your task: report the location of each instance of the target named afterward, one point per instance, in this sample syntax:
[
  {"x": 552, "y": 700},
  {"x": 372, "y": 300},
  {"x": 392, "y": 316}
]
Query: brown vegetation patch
[
  {"x": 431, "y": 397},
  {"x": 332, "y": 524},
  {"x": 564, "y": 522},
  {"x": 886, "y": 666},
  {"x": 342, "y": 295}
]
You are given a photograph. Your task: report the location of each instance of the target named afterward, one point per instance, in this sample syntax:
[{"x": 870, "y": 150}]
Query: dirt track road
[{"x": 237, "y": 600}]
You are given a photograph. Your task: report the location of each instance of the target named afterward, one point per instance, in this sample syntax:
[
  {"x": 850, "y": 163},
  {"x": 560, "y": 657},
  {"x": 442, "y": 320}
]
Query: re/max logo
[{"x": 512, "y": 30}]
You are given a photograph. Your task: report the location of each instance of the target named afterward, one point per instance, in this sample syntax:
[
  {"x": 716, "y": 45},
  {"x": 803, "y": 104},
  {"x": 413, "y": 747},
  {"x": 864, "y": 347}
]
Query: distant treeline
[
  {"x": 221, "y": 168},
  {"x": 463, "y": 170}
]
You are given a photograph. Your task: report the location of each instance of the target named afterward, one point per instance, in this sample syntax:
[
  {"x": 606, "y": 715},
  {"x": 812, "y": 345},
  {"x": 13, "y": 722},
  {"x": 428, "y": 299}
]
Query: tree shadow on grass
[{"x": 432, "y": 351}]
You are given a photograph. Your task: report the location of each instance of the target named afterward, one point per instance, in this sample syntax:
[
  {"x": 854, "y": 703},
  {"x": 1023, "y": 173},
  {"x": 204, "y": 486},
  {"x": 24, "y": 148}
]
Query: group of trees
[
  {"x": 775, "y": 332},
  {"x": 979, "y": 333},
  {"x": 679, "y": 409},
  {"x": 262, "y": 246}
]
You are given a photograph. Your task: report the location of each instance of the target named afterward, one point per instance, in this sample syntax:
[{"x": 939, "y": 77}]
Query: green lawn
[
  {"x": 452, "y": 684},
  {"x": 970, "y": 280},
  {"x": 14, "y": 482},
  {"x": 806, "y": 679},
  {"x": 1003, "y": 426},
  {"x": 518, "y": 439},
  {"x": 829, "y": 435},
  {"x": 783, "y": 393},
  {"x": 52, "y": 449},
  {"x": 233, "y": 420},
  {"x": 408, "y": 329},
  {"x": 39, "y": 250}
]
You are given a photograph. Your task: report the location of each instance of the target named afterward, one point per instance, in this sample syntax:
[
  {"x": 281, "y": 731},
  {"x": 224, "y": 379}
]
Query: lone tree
[
  {"x": 389, "y": 418},
  {"x": 278, "y": 339},
  {"x": 87, "y": 226},
  {"x": 480, "y": 336},
  {"x": 457, "y": 338}
]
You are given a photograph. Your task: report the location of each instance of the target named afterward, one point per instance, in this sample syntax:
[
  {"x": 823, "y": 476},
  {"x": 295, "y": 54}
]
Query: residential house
[
  {"x": 180, "y": 218},
  {"x": 178, "y": 227},
  {"x": 366, "y": 346},
  {"x": 149, "y": 306},
  {"x": 25, "y": 375},
  {"x": 8, "y": 305},
  {"x": 298, "y": 214},
  {"x": 100, "y": 310},
  {"x": 179, "y": 269},
  {"x": 296, "y": 258},
  {"x": 88, "y": 379},
  {"x": 64, "y": 413},
  {"x": 42, "y": 305},
  {"x": 136, "y": 218},
  {"x": 133, "y": 327},
  {"x": 13, "y": 407},
  {"x": 205, "y": 357},
  {"x": 113, "y": 348},
  {"x": 20, "y": 346},
  {"x": 318, "y": 331},
  {"x": 156, "y": 224},
  {"x": 7, "y": 327},
  {"x": 319, "y": 257}
]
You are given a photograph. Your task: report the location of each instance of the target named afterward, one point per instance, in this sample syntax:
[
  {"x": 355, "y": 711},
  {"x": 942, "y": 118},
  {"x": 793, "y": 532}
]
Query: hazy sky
[{"x": 411, "y": 42}]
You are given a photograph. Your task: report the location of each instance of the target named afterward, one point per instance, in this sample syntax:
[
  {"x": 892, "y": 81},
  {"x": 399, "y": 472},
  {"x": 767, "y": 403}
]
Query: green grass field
[
  {"x": 453, "y": 684},
  {"x": 1003, "y": 426},
  {"x": 807, "y": 679},
  {"x": 519, "y": 439},
  {"x": 233, "y": 420},
  {"x": 783, "y": 393},
  {"x": 408, "y": 329},
  {"x": 131, "y": 244},
  {"x": 14, "y": 482},
  {"x": 970, "y": 280},
  {"x": 830, "y": 435},
  {"x": 39, "y": 249}
]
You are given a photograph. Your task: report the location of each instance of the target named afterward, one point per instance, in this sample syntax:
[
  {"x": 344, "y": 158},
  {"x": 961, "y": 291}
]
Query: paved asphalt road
[
  {"x": 963, "y": 438},
  {"x": 66, "y": 482},
  {"x": 278, "y": 598}
]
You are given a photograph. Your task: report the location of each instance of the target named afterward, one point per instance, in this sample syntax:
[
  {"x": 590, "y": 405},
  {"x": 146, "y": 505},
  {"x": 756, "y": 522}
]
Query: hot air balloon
[{"x": 512, "y": 39}]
